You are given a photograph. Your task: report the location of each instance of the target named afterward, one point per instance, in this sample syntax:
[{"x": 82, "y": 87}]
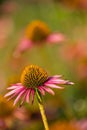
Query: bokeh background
[{"x": 67, "y": 110}]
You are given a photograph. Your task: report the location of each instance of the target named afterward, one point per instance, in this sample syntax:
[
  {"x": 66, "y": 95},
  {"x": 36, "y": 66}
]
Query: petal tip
[{"x": 71, "y": 83}]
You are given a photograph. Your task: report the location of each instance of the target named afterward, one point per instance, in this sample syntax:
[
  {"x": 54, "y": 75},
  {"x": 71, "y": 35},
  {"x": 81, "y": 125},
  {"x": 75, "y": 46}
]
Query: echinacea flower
[
  {"x": 34, "y": 78},
  {"x": 36, "y": 33}
]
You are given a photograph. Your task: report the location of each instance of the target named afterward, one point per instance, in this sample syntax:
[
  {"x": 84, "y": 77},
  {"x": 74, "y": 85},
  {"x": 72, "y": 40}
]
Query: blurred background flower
[{"x": 37, "y": 33}]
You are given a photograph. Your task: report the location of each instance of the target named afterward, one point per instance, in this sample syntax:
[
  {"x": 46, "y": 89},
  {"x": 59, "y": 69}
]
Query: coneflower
[
  {"x": 35, "y": 80},
  {"x": 37, "y": 33}
]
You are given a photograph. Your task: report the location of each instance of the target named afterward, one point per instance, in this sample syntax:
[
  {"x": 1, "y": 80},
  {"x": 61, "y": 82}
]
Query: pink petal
[
  {"x": 24, "y": 45},
  {"x": 58, "y": 81},
  {"x": 55, "y": 77},
  {"x": 55, "y": 38},
  {"x": 14, "y": 87},
  {"x": 16, "y": 93},
  {"x": 53, "y": 86},
  {"x": 70, "y": 83},
  {"x": 28, "y": 95},
  {"x": 19, "y": 96},
  {"x": 49, "y": 90},
  {"x": 12, "y": 96},
  {"x": 23, "y": 99},
  {"x": 10, "y": 93},
  {"x": 41, "y": 90}
]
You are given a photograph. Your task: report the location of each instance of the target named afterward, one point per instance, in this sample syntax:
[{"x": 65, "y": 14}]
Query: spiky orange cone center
[{"x": 33, "y": 76}]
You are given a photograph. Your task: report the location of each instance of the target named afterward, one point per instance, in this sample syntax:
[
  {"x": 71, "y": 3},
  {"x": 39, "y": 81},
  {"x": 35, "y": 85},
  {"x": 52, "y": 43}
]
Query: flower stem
[{"x": 42, "y": 111}]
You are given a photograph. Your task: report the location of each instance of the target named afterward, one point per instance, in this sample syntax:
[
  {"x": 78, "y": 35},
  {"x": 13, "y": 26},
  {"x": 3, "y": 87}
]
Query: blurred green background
[{"x": 68, "y": 58}]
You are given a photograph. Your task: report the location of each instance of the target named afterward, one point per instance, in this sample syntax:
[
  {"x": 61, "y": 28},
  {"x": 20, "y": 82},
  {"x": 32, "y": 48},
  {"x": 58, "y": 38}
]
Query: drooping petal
[
  {"x": 70, "y": 83},
  {"x": 48, "y": 90},
  {"x": 24, "y": 98},
  {"x": 23, "y": 46},
  {"x": 28, "y": 95},
  {"x": 58, "y": 81},
  {"x": 19, "y": 96},
  {"x": 14, "y": 87},
  {"x": 53, "y": 86},
  {"x": 41, "y": 90},
  {"x": 55, "y": 38},
  {"x": 10, "y": 93},
  {"x": 12, "y": 96},
  {"x": 16, "y": 93}
]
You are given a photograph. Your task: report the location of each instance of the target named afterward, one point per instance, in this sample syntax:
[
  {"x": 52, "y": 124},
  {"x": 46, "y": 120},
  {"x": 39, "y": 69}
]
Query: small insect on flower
[
  {"x": 33, "y": 79},
  {"x": 37, "y": 33}
]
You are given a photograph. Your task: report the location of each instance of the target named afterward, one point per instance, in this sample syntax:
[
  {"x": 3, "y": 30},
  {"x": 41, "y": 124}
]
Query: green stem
[{"x": 42, "y": 111}]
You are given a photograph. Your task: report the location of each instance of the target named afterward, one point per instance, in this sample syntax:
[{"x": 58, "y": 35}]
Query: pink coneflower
[
  {"x": 36, "y": 33},
  {"x": 34, "y": 79}
]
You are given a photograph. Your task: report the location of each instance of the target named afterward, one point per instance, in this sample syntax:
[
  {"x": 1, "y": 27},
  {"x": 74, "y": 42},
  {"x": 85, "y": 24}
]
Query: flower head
[
  {"x": 36, "y": 33},
  {"x": 34, "y": 78}
]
